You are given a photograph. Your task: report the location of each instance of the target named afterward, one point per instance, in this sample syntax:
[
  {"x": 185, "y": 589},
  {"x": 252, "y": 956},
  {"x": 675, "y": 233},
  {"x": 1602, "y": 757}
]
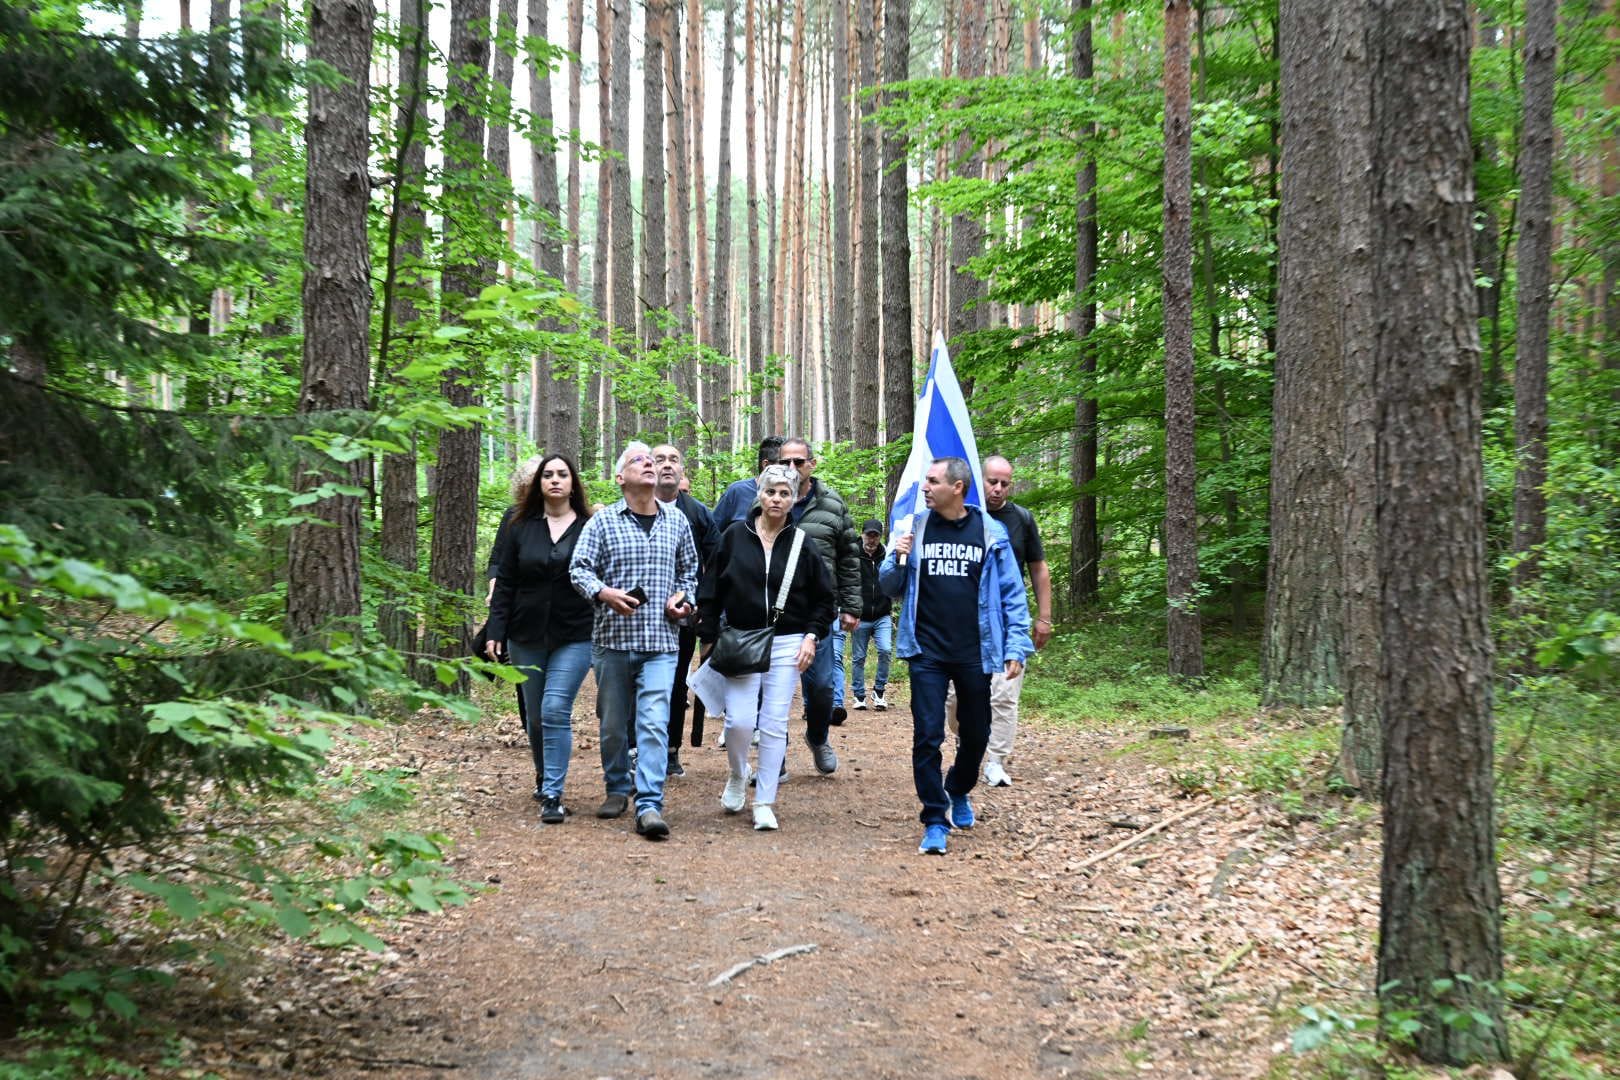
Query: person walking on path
[
  {"x": 1027, "y": 550},
  {"x": 822, "y": 514},
  {"x": 738, "y": 499},
  {"x": 876, "y": 622},
  {"x": 744, "y": 585},
  {"x": 671, "y": 466},
  {"x": 522, "y": 482},
  {"x": 543, "y": 625},
  {"x": 964, "y": 563},
  {"x": 638, "y": 561}
]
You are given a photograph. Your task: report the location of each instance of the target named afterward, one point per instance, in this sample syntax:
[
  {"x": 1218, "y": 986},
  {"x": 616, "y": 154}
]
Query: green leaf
[
  {"x": 119, "y": 1005},
  {"x": 293, "y": 921}
]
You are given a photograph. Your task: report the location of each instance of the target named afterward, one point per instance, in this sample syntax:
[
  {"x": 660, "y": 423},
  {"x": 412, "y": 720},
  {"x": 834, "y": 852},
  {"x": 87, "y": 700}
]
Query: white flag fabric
[{"x": 941, "y": 428}]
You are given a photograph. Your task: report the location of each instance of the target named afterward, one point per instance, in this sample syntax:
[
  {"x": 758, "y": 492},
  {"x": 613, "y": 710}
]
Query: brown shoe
[{"x": 613, "y": 806}]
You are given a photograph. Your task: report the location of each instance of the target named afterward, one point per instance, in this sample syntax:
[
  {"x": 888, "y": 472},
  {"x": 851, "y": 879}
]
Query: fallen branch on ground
[
  {"x": 760, "y": 961},
  {"x": 1228, "y": 964},
  {"x": 1143, "y": 835}
]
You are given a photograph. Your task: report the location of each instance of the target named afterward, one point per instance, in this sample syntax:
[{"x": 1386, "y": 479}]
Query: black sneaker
[
  {"x": 675, "y": 766},
  {"x": 552, "y": 812},
  {"x": 613, "y": 806},
  {"x": 838, "y": 716},
  {"x": 826, "y": 760},
  {"x": 651, "y": 824}
]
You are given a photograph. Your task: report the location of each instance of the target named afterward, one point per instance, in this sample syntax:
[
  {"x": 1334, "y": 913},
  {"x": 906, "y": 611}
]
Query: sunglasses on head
[{"x": 793, "y": 461}]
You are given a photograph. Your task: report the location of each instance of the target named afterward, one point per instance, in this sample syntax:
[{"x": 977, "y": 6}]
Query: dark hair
[
  {"x": 809, "y": 450},
  {"x": 535, "y": 505},
  {"x": 770, "y": 449},
  {"x": 957, "y": 471}
]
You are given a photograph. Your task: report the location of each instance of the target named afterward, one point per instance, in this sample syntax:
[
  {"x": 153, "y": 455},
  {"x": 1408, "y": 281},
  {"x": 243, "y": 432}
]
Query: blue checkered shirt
[{"x": 614, "y": 550}]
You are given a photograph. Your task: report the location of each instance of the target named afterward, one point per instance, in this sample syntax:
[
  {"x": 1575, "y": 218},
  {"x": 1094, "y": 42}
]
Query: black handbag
[{"x": 748, "y": 652}]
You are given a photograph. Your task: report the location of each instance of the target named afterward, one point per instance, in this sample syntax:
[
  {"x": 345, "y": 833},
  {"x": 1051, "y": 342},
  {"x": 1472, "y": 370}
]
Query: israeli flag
[{"x": 941, "y": 428}]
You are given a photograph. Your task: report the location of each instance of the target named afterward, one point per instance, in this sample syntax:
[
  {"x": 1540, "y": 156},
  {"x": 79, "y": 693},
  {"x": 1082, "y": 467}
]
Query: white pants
[
  {"x": 763, "y": 700},
  {"x": 1003, "y": 715}
]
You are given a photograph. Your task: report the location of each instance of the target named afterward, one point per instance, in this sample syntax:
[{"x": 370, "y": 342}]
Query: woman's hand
[{"x": 807, "y": 652}]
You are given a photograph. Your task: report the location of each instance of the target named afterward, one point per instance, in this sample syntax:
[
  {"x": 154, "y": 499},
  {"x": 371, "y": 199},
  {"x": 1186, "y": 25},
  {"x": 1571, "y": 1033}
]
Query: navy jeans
[
  {"x": 817, "y": 683},
  {"x": 929, "y": 681}
]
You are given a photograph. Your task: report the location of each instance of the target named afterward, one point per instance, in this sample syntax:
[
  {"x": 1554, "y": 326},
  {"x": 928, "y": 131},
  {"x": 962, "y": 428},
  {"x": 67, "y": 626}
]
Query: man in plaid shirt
[{"x": 638, "y": 561}]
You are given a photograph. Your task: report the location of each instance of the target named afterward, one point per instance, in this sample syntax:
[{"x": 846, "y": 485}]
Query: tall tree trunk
[
  {"x": 557, "y": 430},
  {"x": 756, "y": 312},
  {"x": 1534, "y": 287},
  {"x": 654, "y": 266},
  {"x": 717, "y": 328},
  {"x": 455, "y": 480},
  {"x": 1304, "y": 638},
  {"x": 839, "y": 354},
  {"x": 1180, "y": 464},
  {"x": 899, "y": 358},
  {"x": 1440, "y": 916},
  {"x": 967, "y": 230},
  {"x": 503, "y": 64},
  {"x": 323, "y": 556},
  {"x": 1085, "y": 542},
  {"x": 868, "y": 292},
  {"x": 595, "y": 423},
  {"x": 404, "y": 283},
  {"x": 624, "y": 242},
  {"x": 676, "y": 152},
  {"x": 697, "y": 210},
  {"x": 576, "y": 50}
]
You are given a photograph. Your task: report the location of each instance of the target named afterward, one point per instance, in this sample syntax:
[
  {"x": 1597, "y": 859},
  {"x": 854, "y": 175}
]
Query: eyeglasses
[{"x": 794, "y": 461}]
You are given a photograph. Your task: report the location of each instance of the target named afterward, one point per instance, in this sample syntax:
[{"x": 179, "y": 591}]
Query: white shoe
[
  {"x": 860, "y": 704},
  {"x": 764, "y": 818},
  {"x": 878, "y": 702},
  {"x": 995, "y": 775},
  {"x": 735, "y": 793}
]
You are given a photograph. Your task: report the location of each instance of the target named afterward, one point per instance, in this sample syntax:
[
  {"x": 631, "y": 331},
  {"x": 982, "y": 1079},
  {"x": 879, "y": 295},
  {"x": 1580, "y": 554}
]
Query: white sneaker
[
  {"x": 735, "y": 793},
  {"x": 860, "y": 704},
  {"x": 995, "y": 775},
  {"x": 878, "y": 702},
  {"x": 764, "y": 818}
]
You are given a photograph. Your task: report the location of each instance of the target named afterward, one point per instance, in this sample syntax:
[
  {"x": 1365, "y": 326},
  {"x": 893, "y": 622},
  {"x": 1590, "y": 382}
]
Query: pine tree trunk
[
  {"x": 557, "y": 430},
  {"x": 654, "y": 251},
  {"x": 595, "y": 423},
  {"x": 717, "y": 328},
  {"x": 1180, "y": 468},
  {"x": 503, "y": 64},
  {"x": 677, "y": 153},
  {"x": 323, "y": 557},
  {"x": 756, "y": 311},
  {"x": 1440, "y": 916},
  {"x": 455, "y": 479},
  {"x": 624, "y": 243},
  {"x": 839, "y": 345},
  {"x": 697, "y": 208},
  {"x": 1085, "y": 544},
  {"x": 1534, "y": 287},
  {"x": 576, "y": 49},
  {"x": 899, "y": 357},
  {"x": 967, "y": 230},
  {"x": 868, "y": 291},
  {"x": 1361, "y": 749},
  {"x": 404, "y": 282},
  {"x": 1301, "y": 655}
]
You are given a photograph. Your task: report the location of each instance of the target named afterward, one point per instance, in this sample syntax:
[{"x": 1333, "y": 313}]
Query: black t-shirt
[
  {"x": 1021, "y": 533},
  {"x": 646, "y": 521},
  {"x": 952, "y": 554}
]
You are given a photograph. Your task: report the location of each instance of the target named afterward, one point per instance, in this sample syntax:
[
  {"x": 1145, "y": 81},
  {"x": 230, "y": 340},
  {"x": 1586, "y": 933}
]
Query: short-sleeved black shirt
[
  {"x": 1021, "y": 533},
  {"x": 952, "y": 554}
]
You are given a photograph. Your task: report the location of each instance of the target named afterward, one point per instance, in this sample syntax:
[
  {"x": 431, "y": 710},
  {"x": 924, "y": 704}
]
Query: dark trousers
[
  {"x": 678, "y": 695},
  {"x": 817, "y": 685},
  {"x": 930, "y": 680}
]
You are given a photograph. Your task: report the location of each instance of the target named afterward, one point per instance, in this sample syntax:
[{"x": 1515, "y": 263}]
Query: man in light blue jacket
[{"x": 963, "y": 562}]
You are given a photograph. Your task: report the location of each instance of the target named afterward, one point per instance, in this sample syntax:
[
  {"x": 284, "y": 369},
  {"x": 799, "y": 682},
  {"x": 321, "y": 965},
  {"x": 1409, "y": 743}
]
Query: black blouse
[{"x": 534, "y": 601}]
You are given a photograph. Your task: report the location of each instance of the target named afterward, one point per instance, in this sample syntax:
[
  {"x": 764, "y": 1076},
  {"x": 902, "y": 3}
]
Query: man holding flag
[{"x": 964, "y": 561}]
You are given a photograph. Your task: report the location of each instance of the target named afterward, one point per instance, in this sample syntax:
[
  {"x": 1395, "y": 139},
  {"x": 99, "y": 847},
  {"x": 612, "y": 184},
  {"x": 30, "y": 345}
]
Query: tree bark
[
  {"x": 654, "y": 250},
  {"x": 624, "y": 242},
  {"x": 1180, "y": 466},
  {"x": 323, "y": 556},
  {"x": 1302, "y": 649},
  {"x": 756, "y": 311},
  {"x": 594, "y": 424},
  {"x": 697, "y": 210},
  {"x": 557, "y": 428},
  {"x": 967, "y": 230},
  {"x": 717, "y": 328},
  {"x": 1534, "y": 287},
  {"x": 1085, "y": 542},
  {"x": 899, "y": 357},
  {"x": 576, "y": 49},
  {"x": 868, "y": 291},
  {"x": 1441, "y": 900},
  {"x": 677, "y": 153},
  {"x": 503, "y": 66},
  {"x": 839, "y": 345},
  {"x": 455, "y": 479}
]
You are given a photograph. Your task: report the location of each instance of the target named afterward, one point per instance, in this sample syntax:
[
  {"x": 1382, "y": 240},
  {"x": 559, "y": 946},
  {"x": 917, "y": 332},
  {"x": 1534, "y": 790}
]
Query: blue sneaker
[
  {"x": 961, "y": 812},
  {"x": 933, "y": 841}
]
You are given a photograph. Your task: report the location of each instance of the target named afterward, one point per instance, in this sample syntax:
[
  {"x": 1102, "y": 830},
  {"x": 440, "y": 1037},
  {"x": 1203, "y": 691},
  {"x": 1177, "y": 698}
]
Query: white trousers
[
  {"x": 763, "y": 700},
  {"x": 1003, "y": 715}
]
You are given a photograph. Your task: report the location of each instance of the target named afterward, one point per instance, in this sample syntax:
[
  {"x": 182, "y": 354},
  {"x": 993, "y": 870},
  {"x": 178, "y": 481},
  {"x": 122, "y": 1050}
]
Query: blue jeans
[
  {"x": 817, "y": 683},
  {"x": 929, "y": 680},
  {"x": 883, "y": 629},
  {"x": 632, "y": 689},
  {"x": 838, "y": 663},
  {"x": 548, "y": 701}
]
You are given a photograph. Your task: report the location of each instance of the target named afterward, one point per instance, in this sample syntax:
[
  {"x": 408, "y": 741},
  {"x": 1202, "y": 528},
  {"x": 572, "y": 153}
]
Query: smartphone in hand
[{"x": 638, "y": 594}]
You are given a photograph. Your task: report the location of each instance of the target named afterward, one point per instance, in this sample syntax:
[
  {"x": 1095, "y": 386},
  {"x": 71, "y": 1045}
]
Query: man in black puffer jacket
[{"x": 824, "y": 517}]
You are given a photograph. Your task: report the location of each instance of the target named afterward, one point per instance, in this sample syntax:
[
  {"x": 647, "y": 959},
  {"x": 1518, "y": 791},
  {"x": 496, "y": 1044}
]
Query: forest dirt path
[{"x": 593, "y": 951}]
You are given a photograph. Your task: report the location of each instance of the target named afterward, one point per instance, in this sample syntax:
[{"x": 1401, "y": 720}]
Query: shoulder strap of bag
[{"x": 787, "y": 574}]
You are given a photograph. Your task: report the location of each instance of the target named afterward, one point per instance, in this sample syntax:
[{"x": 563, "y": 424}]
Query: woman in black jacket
[
  {"x": 742, "y": 584},
  {"x": 538, "y": 617}
]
